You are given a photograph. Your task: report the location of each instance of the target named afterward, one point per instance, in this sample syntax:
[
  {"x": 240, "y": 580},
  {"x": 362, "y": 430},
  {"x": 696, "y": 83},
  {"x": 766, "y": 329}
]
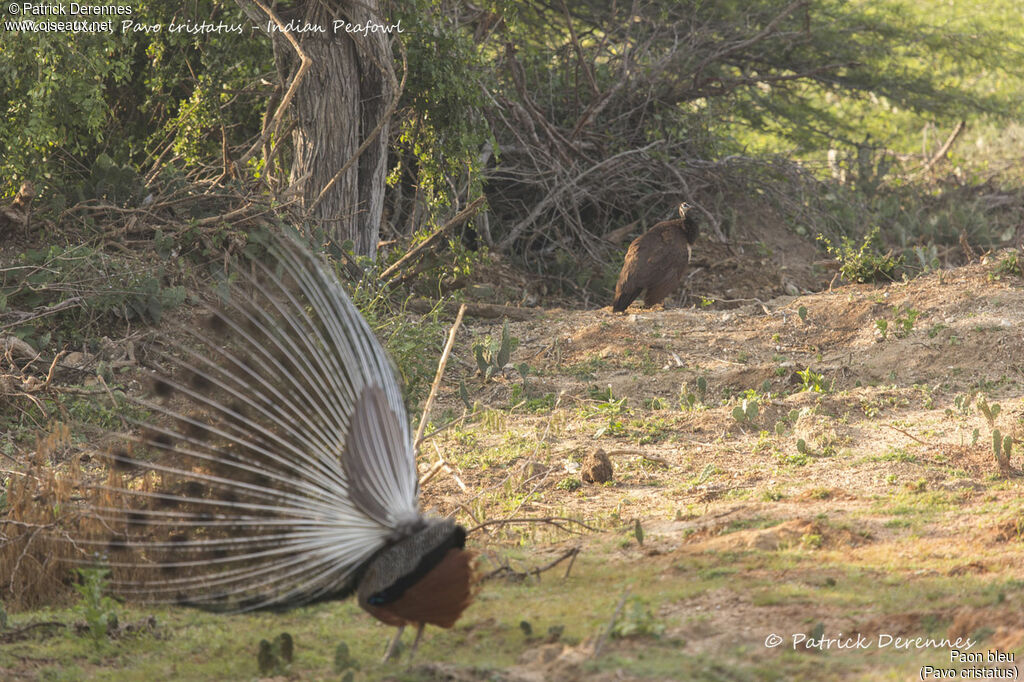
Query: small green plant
[
  {"x": 655, "y": 404},
  {"x": 493, "y": 354},
  {"x": 802, "y": 312},
  {"x": 608, "y": 407},
  {"x": 344, "y": 663},
  {"x": 811, "y": 381},
  {"x": 570, "y": 484},
  {"x": 637, "y": 621},
  {"x": 905, "y": 321},
  {"x": 927, "y": 257},
  {"x": 687, "y": 400},
  {"x": 863, "y": 263},
  {"x": 464, "y": 395},
  {"x": 962, "y": 403},
  {"x": 991, "y": 412},
  {"x": 1010, "y": 265},
  {"x": 745, "y": 412},
  {"x": 1002, "y": 446},
  {"x": 524, "y": 370},
  {"x": 96, "y": 608},
  {"x": 275, "y": 658},
  {"x": 788, "y": 421},
  {"x": 811, "y": 541}
]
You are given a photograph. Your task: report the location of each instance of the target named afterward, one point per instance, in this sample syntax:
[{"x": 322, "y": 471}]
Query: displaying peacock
[{"x": 272, "y": 465}]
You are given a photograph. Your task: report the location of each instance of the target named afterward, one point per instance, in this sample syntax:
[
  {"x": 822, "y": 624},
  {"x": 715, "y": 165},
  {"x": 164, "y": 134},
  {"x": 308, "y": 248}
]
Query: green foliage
[
  {"x": 413, "y": 344},
  {"x": 811, "y": 380},
  {"x": 1010, "y": 265},
  {"x": 962, "y": 403},
  {"x": 544, "y": 403},
  {"x": 991, "y": 412},
  {"x": 637, "y": 620},
  {"x": 745, "y": 412},
  {"x": 440, "y": 127},
  {"x": 903, "y": 320},
  {"x": 864, "y": 263},
  {"x": 607, "y": 407},
  {"x": 569, "y": 483},
  {"x": 95, "y": 607},
  {"x": 687, "y": 399},
  {"x": 493, "y": 354},
  {"x": 1001, "y": 447},
  {"x": 927, "y": 257},
  {"x": 71, "y": 98}
]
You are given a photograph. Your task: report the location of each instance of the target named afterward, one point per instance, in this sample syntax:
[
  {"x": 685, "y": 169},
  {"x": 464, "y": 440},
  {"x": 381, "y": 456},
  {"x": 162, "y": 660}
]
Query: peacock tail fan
[{"x": 270, "y": 458}]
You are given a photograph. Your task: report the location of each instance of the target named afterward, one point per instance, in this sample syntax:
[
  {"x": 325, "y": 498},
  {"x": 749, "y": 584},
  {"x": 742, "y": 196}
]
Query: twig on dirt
[
  {"x": 9, "y": 636},
  {"x": 907, "y": 434},
  {"x": 434, "y": 469},
  {"x": 469, "y": 512},
  {"x": 556, "y": 521},
  {"x": 23, "y": 317},
  {"x": 611, "y": 625},
  {"x": 927, "y": 460},
  {"x": 437, "y": 377},
  {"x": 442, "y": 465},
  {"x": 651, "y": 458},
  {"x": 506, "y": 571},
  {"x": 487, "y": 311}
]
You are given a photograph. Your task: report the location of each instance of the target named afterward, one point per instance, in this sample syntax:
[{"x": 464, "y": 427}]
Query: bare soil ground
[{"x": 873, "y": 506}]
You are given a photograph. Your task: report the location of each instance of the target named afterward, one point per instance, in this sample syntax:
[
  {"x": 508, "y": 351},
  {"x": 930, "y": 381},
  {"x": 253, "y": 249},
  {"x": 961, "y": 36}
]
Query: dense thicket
[{"x": 571, "y": 118}]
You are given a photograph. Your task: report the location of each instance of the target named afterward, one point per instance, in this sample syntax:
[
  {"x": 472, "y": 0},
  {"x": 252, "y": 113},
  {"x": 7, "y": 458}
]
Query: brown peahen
[{"x": 656, "y": 261}]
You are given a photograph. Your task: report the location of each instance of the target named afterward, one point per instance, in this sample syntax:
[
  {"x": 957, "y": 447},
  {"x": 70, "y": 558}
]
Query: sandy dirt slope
[{"x": 872, "y": 506}]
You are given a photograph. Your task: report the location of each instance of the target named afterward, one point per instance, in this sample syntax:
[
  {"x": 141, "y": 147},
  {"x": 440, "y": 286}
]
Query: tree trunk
[{"x": 339, "y": 103}]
